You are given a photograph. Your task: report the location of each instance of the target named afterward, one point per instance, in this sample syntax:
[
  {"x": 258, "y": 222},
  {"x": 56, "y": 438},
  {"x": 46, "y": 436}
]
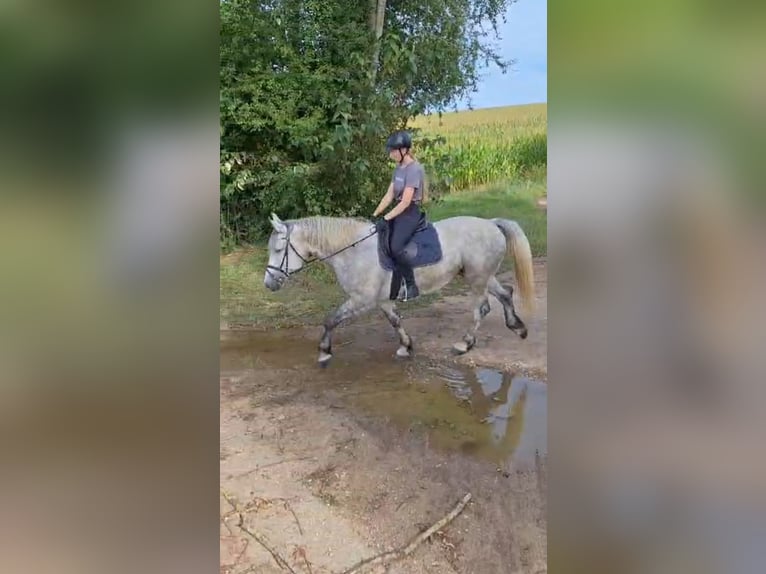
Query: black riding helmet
[{"x": 398, "y": 140}]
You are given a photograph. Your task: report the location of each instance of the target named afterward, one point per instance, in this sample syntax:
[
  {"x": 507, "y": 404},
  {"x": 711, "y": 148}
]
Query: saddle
[{"x": 423, "y": 249}]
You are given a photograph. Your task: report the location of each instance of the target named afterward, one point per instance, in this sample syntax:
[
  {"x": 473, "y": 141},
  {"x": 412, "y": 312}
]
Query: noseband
[{"x": 284, "y": 265}]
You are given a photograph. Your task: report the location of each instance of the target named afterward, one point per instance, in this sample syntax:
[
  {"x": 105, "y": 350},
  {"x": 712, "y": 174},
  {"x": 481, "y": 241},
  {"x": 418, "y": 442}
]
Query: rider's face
[{"x": 396, "y": 155}]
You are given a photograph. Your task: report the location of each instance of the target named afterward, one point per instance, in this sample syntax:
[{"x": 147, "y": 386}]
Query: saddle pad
[{"x": 423, "y": 249}]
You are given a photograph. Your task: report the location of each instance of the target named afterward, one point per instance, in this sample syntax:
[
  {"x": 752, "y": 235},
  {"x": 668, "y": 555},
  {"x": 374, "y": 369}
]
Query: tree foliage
[{"x": 303, "y": 113}]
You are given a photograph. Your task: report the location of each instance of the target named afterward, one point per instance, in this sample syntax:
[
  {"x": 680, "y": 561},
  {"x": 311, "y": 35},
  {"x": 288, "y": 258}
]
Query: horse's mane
[{"x": 328, "y": 234}]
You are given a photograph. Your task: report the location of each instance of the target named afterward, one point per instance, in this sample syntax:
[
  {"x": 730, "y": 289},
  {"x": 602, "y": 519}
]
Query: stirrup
[{"x": 407, "y": 295}]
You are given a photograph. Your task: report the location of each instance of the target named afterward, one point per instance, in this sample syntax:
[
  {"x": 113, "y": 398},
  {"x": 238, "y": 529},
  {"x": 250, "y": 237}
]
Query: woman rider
[{"x": 407, "y": 184}]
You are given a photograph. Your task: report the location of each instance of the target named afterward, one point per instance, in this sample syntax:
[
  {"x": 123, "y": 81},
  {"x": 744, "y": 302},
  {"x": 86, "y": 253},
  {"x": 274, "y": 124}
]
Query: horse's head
[{"x": 284, "y": 258}]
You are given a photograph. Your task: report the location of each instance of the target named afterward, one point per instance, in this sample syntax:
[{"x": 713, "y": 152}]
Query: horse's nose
[{"x": 270, "y": 282}]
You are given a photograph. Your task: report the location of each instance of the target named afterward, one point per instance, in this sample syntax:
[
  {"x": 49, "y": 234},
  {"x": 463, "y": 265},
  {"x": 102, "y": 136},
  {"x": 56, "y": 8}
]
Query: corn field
[{"x": 463, "y": 150}]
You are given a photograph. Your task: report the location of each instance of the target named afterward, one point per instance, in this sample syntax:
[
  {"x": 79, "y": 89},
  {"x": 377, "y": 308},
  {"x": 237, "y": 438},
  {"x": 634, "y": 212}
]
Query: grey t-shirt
[{"x": 411, "y": 175}]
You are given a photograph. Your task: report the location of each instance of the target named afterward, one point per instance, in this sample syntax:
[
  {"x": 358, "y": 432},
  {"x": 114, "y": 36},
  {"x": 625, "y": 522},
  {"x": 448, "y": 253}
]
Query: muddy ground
[{"x": 328, "y": 467}]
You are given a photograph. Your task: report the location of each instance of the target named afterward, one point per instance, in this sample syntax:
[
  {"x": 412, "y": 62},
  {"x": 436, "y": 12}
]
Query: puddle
[
  {"x": 240, "y": 350},
  {"x": 477, "y": 411},
  {"x": 481, "y": 411},
  {"x": 513, "y": 410}
]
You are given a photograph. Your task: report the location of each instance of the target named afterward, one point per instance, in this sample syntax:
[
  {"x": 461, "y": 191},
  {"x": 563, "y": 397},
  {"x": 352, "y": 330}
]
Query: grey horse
[{"x": 471, "y": 246}]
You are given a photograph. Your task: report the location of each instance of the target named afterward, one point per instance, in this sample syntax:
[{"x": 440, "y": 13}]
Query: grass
[
  {"x": 515, "y": 201},
  {"x": 244, "y": 299},
  {"x": 489, "y": 146}
]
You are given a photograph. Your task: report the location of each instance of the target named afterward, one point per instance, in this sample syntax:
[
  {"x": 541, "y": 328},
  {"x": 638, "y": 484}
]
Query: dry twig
[
  {"x": 300, "y": 552},
  {"x": 241, "y": 552},
  {"x": 297, "y": 522},
  {"x": 261, "y": 467},
  {"x": 393, "y": 555},
  {"x": 241, "y": 525},
  {"x": 274, "y": 554}
]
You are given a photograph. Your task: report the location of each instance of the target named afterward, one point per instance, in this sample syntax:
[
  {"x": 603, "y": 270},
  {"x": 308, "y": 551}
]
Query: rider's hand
[{"x": 380, "y": 224}]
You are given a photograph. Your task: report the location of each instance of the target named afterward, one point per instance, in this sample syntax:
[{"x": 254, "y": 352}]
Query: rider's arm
[
  {"x": 409, "y": 192},
  {"x": 386, "y": 201}
]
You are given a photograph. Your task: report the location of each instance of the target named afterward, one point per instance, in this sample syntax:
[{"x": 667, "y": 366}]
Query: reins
[{"x": 306, "y": 262}]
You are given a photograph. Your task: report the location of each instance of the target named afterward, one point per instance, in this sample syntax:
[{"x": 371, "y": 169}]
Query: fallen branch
[
  {"x": 394, "y": 555},
  {"x": 241, "y": 525},
  {"x": 274, "y": 554}
]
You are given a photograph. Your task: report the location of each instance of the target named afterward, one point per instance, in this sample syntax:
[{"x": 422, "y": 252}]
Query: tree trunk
[
  {"x": 377, "y": 18},
  {"x": 373, "y": 16}
]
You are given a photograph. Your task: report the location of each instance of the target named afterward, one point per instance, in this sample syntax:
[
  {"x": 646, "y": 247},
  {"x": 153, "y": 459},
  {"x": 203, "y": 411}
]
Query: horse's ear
[{"x": 277, "y": 224}]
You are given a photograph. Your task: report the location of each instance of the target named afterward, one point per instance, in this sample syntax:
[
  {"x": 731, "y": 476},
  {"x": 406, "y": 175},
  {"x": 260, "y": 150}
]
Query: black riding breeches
[{"x": 403, "y": 227}]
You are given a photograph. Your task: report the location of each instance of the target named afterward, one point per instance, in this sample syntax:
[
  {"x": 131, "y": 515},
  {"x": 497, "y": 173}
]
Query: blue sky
[{"x": 524, "y": 38}]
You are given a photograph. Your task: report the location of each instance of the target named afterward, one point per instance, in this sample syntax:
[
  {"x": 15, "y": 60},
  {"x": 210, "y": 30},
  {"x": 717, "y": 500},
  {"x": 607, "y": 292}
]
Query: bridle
[{"x": 284, "y": 265}]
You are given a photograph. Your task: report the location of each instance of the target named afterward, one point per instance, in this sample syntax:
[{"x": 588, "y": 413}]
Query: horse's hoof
[
  {"x": 403, "y": 352},
  {"x": 460, "y": 348},
  {"x": 521, "y": 332},
  {"x": 324, "y": 359}
]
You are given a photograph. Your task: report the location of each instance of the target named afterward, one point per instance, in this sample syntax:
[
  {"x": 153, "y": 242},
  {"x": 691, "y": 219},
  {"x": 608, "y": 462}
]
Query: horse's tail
[{"x": 518, "y": 244}]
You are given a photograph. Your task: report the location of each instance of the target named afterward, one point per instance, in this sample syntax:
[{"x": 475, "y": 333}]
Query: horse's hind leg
[
  {"x": 405, "y": 341},
  {"x": 348, "y": 310},
  {"x": 505, "y": 296},
  {"x": 480, "y": 310}
]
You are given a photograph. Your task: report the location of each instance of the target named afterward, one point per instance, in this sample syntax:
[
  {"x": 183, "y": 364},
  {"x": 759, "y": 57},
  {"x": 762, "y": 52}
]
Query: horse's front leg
[{"x": 348, "y": 310}]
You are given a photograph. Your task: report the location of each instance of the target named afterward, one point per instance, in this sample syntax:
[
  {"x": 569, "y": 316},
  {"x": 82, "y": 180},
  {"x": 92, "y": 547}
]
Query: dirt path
[{"x": 325, "y": 482}]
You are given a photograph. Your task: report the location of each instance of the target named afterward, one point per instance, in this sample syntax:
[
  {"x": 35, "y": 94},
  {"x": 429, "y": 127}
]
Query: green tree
[{"x": 309, "y": 89}]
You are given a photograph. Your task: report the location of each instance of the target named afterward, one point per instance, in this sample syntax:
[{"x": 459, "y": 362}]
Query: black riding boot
[
  {"x": 403, "y": 229},
  {"x": 409, "y": 290}
]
